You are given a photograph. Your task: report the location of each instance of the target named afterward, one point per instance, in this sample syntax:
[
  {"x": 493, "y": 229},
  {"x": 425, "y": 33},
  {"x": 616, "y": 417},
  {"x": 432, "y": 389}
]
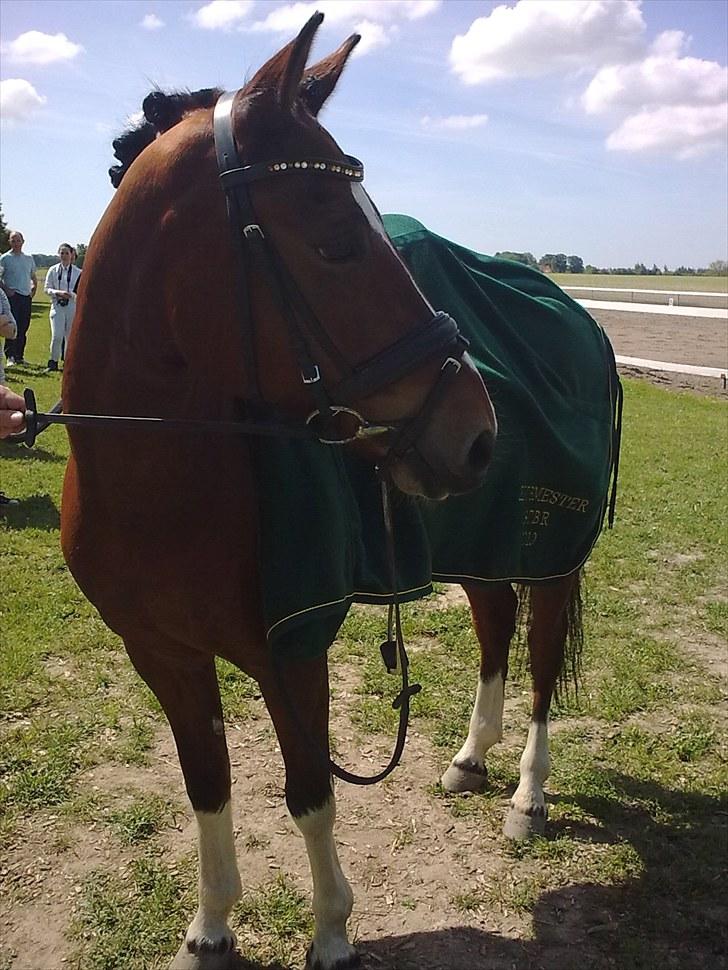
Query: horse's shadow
[
  {"x": 33, "y": 512},
  {"x": 16, "y": 451},
  {"x": 671, "y": 915}
]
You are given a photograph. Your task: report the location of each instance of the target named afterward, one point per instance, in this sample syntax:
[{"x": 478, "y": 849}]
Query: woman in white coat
[{"x": 60, "y": 284}]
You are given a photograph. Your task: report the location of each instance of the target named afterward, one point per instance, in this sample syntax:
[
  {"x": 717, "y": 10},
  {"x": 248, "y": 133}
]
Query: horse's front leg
[
  {"x": 300, "y": 714},
  {"x": 185, "y": 683},
  {"x": 549, "y": 623},
  {"x": 494, "y": 617}
]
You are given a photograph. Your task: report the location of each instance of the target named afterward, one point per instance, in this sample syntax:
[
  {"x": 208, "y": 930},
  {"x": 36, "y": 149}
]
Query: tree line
[
  {"x": 549, "y": 262},
  {"x": 42, "y": 260},
  {"x": 561, "y": 263}
]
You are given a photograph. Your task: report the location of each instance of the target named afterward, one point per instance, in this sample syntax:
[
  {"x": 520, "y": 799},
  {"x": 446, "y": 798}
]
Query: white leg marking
[
  {"x": 332, "y": 895},
  {"x": 467, "y": 771},
  {"x": 219, "y": 883},
  {"x": 528, "y": 797},
  {"x": 486, "y": 722}
]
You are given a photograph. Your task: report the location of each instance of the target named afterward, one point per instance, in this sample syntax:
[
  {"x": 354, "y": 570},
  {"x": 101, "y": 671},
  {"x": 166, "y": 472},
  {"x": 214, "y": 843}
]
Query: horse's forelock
[{"x": 162, "y": 111}]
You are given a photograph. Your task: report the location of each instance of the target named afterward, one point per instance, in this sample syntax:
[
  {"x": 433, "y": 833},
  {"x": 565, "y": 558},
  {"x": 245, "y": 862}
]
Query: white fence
[{"x": 670, "y": 298}]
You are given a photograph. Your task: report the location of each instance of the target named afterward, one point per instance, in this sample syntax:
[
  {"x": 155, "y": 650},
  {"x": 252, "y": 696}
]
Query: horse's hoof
[
  {"x": 465, "y": 776},
  {"x": 522, "y": 825},
  {"x": 349, "y": 962},
  {"x": 205, "y": 959}
]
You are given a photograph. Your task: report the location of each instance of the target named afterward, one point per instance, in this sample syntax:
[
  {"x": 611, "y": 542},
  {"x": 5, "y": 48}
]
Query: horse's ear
[
  {"x": 319, "y": 81},
  {"x": 283, "y": 72},
  {"x": 300, "y": 49}
]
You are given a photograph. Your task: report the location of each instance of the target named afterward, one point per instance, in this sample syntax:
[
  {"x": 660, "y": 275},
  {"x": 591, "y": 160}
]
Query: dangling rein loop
[{"x": 392, "y": 650}]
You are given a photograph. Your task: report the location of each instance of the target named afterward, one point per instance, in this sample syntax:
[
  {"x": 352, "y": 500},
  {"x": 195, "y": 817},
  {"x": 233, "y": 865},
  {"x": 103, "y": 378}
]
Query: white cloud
[
  {"x": 666, "y": 102},
  {"x": 670, "y": 42},
  {"x": 18, "y": 99},
  {"x": 151, "y": 21},
  {"x": 373, "y": 36},
  {"x": 35, "y": 47},
  {"x": 659, "y": 79},
  {"x": 417, "y": 9},
  {"x": 292, "y": 16},
  {"x": 539, "y": 37},
  {"x": 221, "y": 14},
  {"x": 454, "y": 122},
  {"x": 683, "y": 130}
]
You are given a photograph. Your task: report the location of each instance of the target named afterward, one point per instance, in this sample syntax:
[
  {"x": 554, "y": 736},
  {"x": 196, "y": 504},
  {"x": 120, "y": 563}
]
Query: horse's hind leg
[
  {"x": 494, "y": 617},
  {"x": 185, "y": 683},
  {"x": 304, "y": 741},
  {"x": 546, "y": 640}
]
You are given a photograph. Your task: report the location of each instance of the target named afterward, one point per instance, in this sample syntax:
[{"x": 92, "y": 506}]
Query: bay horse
[{"x": 160, "y": 532}]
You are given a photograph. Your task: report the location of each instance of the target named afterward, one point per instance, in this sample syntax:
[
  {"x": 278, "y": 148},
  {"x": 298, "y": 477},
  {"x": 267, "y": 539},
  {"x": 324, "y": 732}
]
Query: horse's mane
[{"x": 162, "y": 111}]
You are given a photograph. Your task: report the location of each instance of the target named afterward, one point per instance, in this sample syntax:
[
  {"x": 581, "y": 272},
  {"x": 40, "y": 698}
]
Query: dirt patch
[
  {"x": 420, "y": 870},
  {"x": 408, "y": 857},
  {"x": 436, "y": 885},
  {"x": 707, "y": 386},
  {"x": 701, "y": 341}
]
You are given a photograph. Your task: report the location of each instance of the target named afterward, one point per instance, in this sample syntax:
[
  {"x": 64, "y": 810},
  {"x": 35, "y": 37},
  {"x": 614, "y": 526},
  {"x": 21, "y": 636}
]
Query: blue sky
[{"x": 590, "y": 127}]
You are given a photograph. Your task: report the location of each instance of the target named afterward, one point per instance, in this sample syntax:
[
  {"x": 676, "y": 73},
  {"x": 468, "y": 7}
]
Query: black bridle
[
  {"x": 334, "y": 420},
  {"x": 439, "y": 336}
]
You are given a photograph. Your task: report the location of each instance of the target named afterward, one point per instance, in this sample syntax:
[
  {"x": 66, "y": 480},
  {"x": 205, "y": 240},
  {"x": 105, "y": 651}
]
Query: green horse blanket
[{"x": 549, "y": 369}]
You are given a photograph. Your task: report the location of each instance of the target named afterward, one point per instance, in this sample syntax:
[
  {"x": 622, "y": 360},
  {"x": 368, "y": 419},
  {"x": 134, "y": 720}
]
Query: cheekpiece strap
[{"x": 227, "y": 153}]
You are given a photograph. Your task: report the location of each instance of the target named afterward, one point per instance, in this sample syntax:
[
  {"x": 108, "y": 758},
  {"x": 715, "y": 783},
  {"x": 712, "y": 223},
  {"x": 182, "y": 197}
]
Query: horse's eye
[{"x": 340, "y": 250}]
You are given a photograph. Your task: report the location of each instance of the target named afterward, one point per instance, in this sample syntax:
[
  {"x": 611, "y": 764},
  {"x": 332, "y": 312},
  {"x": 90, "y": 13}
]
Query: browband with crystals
[{"x": 350, "y": 168}]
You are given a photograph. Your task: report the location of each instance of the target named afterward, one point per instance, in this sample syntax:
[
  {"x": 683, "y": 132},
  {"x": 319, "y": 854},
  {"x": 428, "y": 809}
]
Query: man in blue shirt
[{"x": 17, "y": 278}]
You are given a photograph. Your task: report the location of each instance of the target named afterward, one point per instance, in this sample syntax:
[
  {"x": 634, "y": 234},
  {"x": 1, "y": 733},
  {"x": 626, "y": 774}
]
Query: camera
[{"x": 62, "y": 301}]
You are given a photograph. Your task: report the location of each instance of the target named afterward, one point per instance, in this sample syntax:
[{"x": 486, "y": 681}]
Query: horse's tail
[
  {"x": 571, "y": 669},
  {"x": 569, "y": 678}
]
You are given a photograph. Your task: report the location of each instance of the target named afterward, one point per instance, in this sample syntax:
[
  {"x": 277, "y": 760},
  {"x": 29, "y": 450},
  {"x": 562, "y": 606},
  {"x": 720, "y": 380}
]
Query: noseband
[{"x": 334, "y": 419}]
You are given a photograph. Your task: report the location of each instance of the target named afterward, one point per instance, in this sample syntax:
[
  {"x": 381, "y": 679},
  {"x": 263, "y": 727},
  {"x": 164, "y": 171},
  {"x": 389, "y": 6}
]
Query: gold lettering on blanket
[
  {"x": 532, "y": 518},
  {"x": 540, "y": 495}
]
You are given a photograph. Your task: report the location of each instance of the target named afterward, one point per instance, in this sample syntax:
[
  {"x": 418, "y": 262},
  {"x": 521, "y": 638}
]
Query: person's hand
[
  {"x": 7, "y": 328},
  {"x": 12, "y": 409}
]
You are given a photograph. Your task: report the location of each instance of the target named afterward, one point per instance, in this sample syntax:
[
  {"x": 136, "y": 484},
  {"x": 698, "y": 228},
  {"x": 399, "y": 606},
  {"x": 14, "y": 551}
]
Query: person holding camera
[{"x": 61, "y": 284}]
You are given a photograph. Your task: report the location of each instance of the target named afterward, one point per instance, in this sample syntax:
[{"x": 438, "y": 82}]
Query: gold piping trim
[{"x": 345, "y": 599}]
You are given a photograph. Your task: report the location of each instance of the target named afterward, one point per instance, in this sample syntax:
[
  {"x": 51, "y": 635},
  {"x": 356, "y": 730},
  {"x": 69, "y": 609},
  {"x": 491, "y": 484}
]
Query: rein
[
  {"x": 393, "y": 651},
  {"x": 333, "y": 421}
]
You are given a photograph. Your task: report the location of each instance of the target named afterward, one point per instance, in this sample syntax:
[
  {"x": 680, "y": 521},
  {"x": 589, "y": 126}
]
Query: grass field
[
  {"x": 639, "y": 762},
  {"x": 699, "y": 284}
]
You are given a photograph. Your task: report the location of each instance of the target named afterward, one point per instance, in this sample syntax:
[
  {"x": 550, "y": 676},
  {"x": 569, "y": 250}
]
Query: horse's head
[
  {"x": 330, "y": 239},
  {"x": 327, "y": 293}
]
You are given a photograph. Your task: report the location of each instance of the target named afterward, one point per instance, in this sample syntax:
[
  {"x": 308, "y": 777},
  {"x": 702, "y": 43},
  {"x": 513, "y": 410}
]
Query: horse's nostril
[{"x": 481, "y": 451}]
